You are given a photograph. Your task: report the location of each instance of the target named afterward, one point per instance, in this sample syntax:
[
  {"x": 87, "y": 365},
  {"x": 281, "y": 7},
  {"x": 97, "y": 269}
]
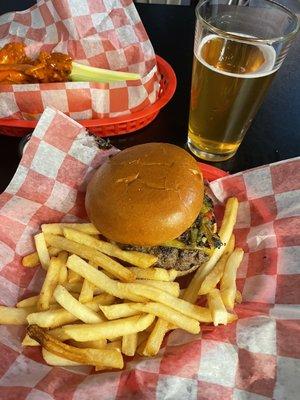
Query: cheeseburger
[{"x": 151, "y": 198}]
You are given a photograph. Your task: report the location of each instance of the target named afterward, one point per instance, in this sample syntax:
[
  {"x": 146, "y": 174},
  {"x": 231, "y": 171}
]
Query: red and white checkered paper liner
[
  {"x": 255, "y": 358},
  {"x": 102, "y": 33}
]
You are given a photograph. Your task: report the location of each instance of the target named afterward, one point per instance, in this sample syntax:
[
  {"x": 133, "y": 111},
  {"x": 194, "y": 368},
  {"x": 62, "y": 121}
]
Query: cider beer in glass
[{"x": 232, "y": 70}]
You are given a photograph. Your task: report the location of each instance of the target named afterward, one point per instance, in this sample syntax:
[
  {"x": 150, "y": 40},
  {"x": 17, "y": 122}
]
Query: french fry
[
  {"x": 74, "y": 287},
  {"x": 217, "y": 308},
  {"x": 63, "y": 272},
  {"x": 29, "y": 302},
  {"x": 32, "y": 301},
  {"x": 115, "y": 344},
  {"x": 42, "y": 250},
  {"x": 228, "y": 280},
  {"x": 49, "y": 284},
  {"x": 104, "y": 330},
  {"x": 51, "y": 318},
  {"x": 93, "y": 344},
  {"x": 69, "y": 303},
  {"x": 141, "y": 260},
  {"x": 238, "y": 297},
  {"x": 57, "y": 228},
  {"x": 157, "y": 274},
  {"x": 103, "y": 299},
  {"x": 170, "y": 315},
  {"x": 32, "y": 260},
  {"x": 231, "y": 318},
  {"x": 53, "y": 251},
  {"x": 129, "y": 344},
  {"x": 229, "y": 219},
  {"x": 55, "y": 318},
  {"x": 142, "y": 336},
  {"x": 116, "y": 311},
  {"x": 155, "y": 339},
  {"x": 115, "y": 339},
  {"x": 101, "y": 280},
  {"x": 170, "y": 287},
  {"x": 73, "y": 277},
  {"x": 14, "y": 316},
  {"x": 87, "y": 290},
  {"x": 53, "y": 359},
  {"x": 97, "y": 258},
  {"x": 213, "y": 278},
  {"x": 100, "y": 368},
  {"x": 141, "y": 347},
  {"x": 193, "y": 311},
  {"x": 108, "y": 274},
  {"x": 105, "y": 357},
  {"x": 27, "y": 341}
]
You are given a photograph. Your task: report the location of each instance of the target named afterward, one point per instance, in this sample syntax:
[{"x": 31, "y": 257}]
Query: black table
[{"x": 274, "y": 134}]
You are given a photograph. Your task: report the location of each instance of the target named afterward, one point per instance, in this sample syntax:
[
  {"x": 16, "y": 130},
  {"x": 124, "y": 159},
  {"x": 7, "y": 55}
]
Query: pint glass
[{"x": 239, "y": 46}]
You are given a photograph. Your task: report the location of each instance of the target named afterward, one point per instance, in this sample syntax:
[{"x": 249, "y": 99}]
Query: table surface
[{"x": 274, "y": 134}]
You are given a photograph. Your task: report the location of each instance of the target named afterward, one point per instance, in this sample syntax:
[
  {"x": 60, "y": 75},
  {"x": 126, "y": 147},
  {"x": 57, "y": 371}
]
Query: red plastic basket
[
  {"x": 211, "y": 173},
  {"x": 110, "y": 126}
]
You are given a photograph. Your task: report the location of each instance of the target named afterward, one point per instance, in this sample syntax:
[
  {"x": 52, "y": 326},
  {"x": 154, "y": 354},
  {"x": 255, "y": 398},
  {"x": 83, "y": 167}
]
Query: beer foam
[{"x": 266, "y": 69}]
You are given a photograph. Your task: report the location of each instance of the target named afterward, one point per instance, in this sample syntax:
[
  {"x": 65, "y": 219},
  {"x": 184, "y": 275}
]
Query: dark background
[{"x": 274, "y": 134}]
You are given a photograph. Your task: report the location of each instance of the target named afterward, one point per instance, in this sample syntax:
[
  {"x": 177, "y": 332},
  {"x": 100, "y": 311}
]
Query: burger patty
[
  {"x": 201, "y": 234},
  {"x": 172, "y": 258}
]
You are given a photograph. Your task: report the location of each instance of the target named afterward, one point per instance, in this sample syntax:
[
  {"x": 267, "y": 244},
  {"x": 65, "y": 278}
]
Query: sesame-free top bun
[{"x": 146, "y": 194}]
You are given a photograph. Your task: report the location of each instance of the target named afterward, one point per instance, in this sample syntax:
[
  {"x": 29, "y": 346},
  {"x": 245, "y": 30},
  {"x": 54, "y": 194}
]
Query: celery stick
[{"x": 86, "y": 73}]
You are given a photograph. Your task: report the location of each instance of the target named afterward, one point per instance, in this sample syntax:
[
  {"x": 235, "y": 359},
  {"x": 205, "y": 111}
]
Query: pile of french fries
[{"x": 99, "y": 302}]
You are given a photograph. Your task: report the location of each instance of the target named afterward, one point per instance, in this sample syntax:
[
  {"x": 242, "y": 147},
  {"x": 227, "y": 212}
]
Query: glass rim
[{"x": 229, "y": 35}]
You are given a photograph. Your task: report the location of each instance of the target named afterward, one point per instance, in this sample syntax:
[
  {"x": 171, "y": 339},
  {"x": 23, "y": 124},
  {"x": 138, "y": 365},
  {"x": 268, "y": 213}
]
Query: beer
[{"x": 229, "y": 81}]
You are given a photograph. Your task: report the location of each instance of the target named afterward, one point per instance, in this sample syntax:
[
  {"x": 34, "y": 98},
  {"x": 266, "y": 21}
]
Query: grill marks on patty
[{"x": 172, "y": 258}]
